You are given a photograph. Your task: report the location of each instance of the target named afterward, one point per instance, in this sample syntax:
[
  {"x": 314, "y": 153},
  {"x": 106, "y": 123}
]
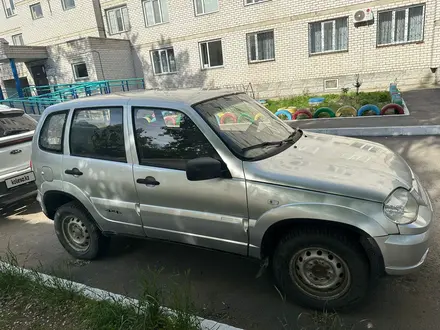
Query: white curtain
[
  {"x": 252, "y": 51},
  {"x": 328, "y": 36},
  {"x": 126, "y": 19},
  {"x": 315, "y": 38},
  {"x": 385, "y": 28},
  {"x": 112, "y": 22},
  {"x": 415, "y": 24},
  {"x": 399, "y": 29},
  {"x": 266, "y": 46},
  {"x": 341, "y": 34}
]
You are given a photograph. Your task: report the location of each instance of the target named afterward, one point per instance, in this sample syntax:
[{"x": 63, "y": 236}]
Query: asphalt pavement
[{"x": 225, "y": 286}]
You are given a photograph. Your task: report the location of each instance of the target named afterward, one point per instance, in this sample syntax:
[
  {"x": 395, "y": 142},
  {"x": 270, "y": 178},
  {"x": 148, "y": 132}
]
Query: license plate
[{"x": 19, "y": 180}]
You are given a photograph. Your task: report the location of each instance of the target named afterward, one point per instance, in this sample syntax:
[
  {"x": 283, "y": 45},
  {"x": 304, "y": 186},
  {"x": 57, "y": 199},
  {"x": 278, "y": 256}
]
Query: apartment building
[{"x": 280, "y": 47}]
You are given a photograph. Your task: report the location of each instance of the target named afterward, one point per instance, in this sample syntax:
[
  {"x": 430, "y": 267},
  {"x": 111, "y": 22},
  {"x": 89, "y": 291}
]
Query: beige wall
[{"x": 293, "y": 69}]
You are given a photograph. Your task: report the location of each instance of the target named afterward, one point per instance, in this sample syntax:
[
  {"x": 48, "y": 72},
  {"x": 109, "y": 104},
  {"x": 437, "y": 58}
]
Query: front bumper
[{"x": 405, "y": 253}]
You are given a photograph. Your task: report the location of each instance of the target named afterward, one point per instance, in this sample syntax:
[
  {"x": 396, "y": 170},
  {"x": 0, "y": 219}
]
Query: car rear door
[
  {"x": 210, "y": 213},
  {"x": 96, "y": 167},
  {"x": 16, "y": 132}
]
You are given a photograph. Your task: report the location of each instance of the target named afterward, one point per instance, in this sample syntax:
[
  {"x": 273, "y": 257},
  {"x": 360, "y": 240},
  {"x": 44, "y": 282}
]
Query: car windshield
[
  {"x": 12, "y": 123},
  {"x": 249, "y": 129}
]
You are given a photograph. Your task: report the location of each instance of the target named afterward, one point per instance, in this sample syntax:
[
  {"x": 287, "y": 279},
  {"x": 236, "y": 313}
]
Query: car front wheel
[{"x": 321, "y": 269}]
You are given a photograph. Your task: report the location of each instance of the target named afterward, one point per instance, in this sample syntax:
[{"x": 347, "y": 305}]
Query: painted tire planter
[
  {"x": 341, "y": 112},
  {"x": 398, "y": 110},
  {"x": 283, "y": 113},
  {"x": 244, "y": 117},
  {"x": 292, "y": 110},
  {"x": 258, "y": 116},
  {"x": 302, "y": 112},
  {"x": 228, "y": 115},
  {"x": 169, "y": 120},
  {"x": 324, "y": 110},
  {"x": 368, "y": 107}
]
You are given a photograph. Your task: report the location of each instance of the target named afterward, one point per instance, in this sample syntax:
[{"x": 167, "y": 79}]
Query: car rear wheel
[
  {"x": 321, "y": 269},
  {"x": 78, "y": 233}
]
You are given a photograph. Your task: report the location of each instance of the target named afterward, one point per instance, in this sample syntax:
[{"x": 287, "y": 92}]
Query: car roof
[{"x": 177, "y": 97}]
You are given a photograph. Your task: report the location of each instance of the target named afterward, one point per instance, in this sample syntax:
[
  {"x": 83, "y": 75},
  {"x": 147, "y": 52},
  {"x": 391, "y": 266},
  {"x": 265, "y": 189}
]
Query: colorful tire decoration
[
  {"x": 346, "y": 111},
  {"x": 258, "y": 116},
  {"x": 398, "y": 109},
  {"x": 368, "y": 107},
  {"x": 170, "y": 120},
  {"x": 283, "y": 113},
  {"x": 302, "y": 112},
  {"x": 244, "y": 117},
  {"x": 230, "y": 116},
  {"x": 324, "y": 110},
  {"x": 292, "y": 110}
]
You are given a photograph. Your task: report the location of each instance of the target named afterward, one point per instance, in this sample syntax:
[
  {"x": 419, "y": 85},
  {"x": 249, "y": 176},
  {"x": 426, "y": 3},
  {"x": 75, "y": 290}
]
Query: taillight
[{"x": 30, "y": 165}]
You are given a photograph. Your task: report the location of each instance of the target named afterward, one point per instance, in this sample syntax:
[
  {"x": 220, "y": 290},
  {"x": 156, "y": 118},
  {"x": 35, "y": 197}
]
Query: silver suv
[
  {"x": 16, "y": 178},
  {"x": 328, "y": 214}
]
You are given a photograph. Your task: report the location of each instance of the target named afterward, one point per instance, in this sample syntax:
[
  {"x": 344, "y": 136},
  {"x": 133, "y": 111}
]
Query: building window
[
  {"x": 118, "y": 20},
  {"x": 328, "y": 36},
  {"x": 261, "y": 46},
  {"x": 205, "y": 6},
  {"x": 9, "y": 7},
  {"x": 155, "y": 11},
  {"x": 68, "y": 4},
  {"x": 36, "y": 11},
  {"x": 163, "y": 61},
  {"x": 211, "y": 54},
  {"x": 17, "y": 40},
  {"x": 80, "y": 71},
  {"x": 401, "y": 25},
  {"x": 251, "y": 2}
]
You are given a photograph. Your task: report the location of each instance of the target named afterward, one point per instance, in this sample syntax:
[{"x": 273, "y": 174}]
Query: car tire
[
  {"x": 321, "y": 269},
  {"x": 78, "y": 233}
]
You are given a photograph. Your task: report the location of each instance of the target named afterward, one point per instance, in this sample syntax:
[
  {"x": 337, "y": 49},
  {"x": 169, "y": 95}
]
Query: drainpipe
[{"x": 16, "y": 78}]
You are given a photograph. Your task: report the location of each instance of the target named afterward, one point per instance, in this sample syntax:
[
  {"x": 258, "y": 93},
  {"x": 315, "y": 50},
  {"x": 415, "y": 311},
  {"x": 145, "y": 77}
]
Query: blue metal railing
[{"x": 64, "y": 92}]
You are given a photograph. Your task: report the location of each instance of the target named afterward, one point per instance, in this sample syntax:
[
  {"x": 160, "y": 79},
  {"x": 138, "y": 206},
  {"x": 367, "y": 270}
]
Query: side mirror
[{"x": 203, "y": 168}]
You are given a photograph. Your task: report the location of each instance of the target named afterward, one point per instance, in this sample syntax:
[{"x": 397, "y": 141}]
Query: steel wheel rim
[
  {"x": 320, "y": 273},
  {"x": 76, "y": 234}
]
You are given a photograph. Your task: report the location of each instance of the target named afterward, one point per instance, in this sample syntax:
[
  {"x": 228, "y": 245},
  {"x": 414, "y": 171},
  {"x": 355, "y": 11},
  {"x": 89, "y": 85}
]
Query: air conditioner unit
[{"x": 363, "y": 15}]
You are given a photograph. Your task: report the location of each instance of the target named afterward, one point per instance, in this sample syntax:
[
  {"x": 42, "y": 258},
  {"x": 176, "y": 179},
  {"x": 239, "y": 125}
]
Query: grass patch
[
  {"x": 333, "y": 101},
  {"x": 31, "y": 301}
]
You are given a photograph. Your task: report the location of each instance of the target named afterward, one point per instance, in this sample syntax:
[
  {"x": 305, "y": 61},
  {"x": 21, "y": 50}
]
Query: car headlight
[{"x": 401, "y": 207}]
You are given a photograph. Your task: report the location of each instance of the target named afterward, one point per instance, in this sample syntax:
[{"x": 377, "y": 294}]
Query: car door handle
[
  {"x": 149, "y": 181},
  {"x": 73, "y": 171}
]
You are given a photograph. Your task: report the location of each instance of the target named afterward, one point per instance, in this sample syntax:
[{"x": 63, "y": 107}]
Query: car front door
[
  {"x": 210, "y": 213},
  {"x": 95, "y": 168}
]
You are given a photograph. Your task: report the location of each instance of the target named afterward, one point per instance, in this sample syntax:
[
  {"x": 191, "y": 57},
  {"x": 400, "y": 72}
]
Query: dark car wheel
[
  {"x": 321, "y": 269},
  {"x": 78, "y": 233}
]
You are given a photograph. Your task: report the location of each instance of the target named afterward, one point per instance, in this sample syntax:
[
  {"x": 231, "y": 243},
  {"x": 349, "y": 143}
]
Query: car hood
[{"x": 335, "y": 164}]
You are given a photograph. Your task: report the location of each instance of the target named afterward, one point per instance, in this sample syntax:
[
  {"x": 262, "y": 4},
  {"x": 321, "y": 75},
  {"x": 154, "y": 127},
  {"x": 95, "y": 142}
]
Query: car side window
[
  {"x": 98, "y": 133},
  {"x": 52, "y": 133},
  {"x": 168, "y": 139}
]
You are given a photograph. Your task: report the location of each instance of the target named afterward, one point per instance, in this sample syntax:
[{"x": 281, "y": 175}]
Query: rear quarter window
[{"x": 52, "y": 132}]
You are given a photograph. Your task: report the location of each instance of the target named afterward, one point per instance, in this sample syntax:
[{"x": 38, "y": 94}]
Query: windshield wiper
[{"x": 290, "y": 138}]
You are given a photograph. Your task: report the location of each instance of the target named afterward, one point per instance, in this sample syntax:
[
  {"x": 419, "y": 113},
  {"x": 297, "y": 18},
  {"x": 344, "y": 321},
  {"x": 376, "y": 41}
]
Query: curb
[
  {"x": 380, "y": 131},
  {"x": 102, "y": 295}
]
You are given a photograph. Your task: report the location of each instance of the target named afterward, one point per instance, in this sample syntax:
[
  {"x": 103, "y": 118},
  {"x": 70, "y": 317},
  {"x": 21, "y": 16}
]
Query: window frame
[
  {"x": 32, "y": 12},
  {"x": 393, "y": 25},
  {"x": 153, "y": 65},
  {"x": 322, "y": 23},
  {"x": 254, "y": 2},
  {"x": 20, "y": 36},
  {"x": 144, "y": 9},
  {"x": 63, "y": 3},
  {"x": 63, "y": 132},
  {"x": 256, "y": 46},
  {"x": 203, "y": 5},
  {"x": 133, "y": 109},
  {"x": 120, "y": 7},
  {"x": 209, "y": 60},
  {"x": 14, "y": 10},
  {"x": 99, "y": 108},
  {"x": 74, "y": 71}
]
